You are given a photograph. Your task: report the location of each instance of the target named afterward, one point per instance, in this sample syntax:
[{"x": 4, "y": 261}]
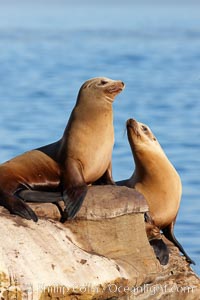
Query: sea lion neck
[{"x": 101, "y": 101}]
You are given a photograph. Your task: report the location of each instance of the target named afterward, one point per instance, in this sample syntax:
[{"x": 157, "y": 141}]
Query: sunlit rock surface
[{"x": 103, "y": 253}]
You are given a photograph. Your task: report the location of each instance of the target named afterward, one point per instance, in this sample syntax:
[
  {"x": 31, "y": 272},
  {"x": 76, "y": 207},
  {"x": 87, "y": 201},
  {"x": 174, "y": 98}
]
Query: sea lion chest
[
  {"x": 90, "y": 141},
  {"x": 162, "y": 189}
]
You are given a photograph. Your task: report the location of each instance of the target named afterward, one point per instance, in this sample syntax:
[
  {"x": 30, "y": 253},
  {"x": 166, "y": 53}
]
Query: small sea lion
[
  {"x": 81, "y": 157},
  {"x": 156, "y": 178}
]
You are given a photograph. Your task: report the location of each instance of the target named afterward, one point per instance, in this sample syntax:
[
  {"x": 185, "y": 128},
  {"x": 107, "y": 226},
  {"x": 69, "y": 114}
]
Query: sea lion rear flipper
[
  {"x": 169, "y": 234},
  {"x": 24, "y": 211},
  {"x": 39, "y": 196},
  {"x": 161, "y": 250},
  {"x": 17, "y": 207},
  {"x": 43, "y": 197}
]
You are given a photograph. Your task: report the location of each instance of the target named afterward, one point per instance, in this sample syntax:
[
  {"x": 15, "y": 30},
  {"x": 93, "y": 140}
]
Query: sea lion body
[
  {"x": 31, "y": 170},
  {"x": 156, "y": 178},
  {"x": 80, "y": 157},
  {"x": 85, "y": 133}
]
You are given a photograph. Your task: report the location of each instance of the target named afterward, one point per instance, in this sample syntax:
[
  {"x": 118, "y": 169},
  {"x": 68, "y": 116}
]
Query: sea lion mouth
[
  {"x": 116, "y": 87},
  {"x": 132, "y": 127}
]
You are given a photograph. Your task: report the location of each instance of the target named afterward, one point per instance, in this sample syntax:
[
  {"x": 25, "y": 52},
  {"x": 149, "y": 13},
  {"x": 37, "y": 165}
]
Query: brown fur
[
  {"x": 156, "y": 178},
  {"x": 80, "y": 157}
]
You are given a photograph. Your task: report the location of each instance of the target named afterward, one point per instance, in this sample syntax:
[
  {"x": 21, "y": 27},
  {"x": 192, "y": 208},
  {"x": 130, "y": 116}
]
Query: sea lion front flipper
[
  {"x": 74, "y": 188},
  {"x": 155, "y": 239},
  {"x": 73, "y": 198},
  {"x": 169, "y": 234},
  {"x": 161, "y": 250}
]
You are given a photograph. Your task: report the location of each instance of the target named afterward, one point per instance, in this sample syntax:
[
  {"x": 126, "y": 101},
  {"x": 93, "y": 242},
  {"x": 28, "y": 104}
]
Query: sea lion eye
[
  {"x": 103, "y": 82},
  {"x": 144, "y": 128}
]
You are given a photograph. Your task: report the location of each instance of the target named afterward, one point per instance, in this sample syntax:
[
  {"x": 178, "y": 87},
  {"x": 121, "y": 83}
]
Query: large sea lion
[
  {"x": 156, "y": 178},
  {"x": 82, "y": 156}
]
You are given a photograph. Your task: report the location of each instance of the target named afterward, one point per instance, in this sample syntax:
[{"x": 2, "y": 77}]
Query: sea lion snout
[
  {"x": 132, "y": 125},
  {"x": 122, "y": 83},
  {"x": 115, "y": 87},
  {"x": 105, "y": 81}
]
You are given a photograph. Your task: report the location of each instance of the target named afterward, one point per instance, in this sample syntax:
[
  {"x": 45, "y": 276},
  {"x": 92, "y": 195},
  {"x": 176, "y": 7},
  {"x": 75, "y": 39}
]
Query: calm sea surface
[{"x": 49, "y": 48}]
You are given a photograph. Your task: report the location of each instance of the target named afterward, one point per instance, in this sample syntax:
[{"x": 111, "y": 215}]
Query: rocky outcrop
[{"x": 103, "y": 253}]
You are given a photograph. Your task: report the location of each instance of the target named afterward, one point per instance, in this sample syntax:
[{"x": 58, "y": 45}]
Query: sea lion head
[
  {"x": 100, "y": 88},
  {"x": 141, "y": 137}
]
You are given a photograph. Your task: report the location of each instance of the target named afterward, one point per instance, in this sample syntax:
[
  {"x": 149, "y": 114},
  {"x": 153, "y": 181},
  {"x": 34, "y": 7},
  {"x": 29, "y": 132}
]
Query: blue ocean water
[{"x": 49, "y": 48}]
